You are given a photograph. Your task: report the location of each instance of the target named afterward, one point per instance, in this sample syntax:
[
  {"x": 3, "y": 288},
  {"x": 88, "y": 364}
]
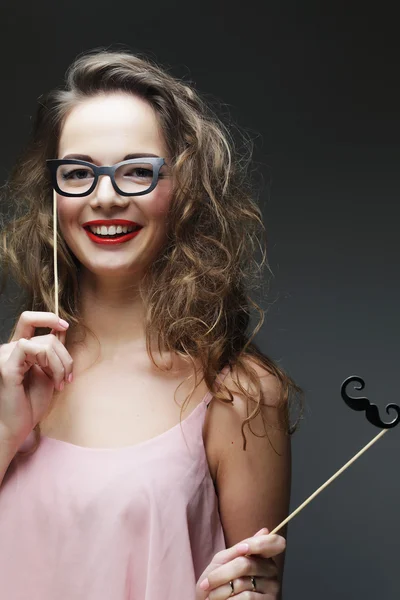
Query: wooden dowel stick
[
  {"x": 295, "y": 512},
  {"x": 55, "y": 264},
  {"x": 55, "y": 251}
]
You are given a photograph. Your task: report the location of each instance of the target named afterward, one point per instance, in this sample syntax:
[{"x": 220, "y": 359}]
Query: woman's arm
[{"x": 253, "y": 486}]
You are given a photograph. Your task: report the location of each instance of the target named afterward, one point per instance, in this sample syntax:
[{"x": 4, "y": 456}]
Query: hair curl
[{"x": 197, "y": 292}]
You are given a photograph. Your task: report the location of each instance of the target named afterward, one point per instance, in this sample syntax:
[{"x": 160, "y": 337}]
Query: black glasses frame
[{"x": 54, "y": 163}]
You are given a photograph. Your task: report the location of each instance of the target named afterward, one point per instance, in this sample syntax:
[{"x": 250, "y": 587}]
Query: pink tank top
[{"x": 134, "y": 523}]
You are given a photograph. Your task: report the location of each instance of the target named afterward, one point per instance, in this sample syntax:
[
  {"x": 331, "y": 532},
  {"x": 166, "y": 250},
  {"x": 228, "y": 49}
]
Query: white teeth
[{"x": 112, "y": 230}]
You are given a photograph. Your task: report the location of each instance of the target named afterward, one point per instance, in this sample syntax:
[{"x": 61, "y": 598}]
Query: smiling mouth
[
  {"x": 112, "y": 236},
  {"x": 115, "y": 239}
]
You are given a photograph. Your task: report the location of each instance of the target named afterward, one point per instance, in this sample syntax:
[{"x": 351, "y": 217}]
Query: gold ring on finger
[{"x": 253, "y": 586}]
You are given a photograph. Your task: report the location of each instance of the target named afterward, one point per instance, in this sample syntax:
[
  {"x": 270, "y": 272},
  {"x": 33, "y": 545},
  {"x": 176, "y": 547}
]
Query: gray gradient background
[{"x": 319, "y": 93}]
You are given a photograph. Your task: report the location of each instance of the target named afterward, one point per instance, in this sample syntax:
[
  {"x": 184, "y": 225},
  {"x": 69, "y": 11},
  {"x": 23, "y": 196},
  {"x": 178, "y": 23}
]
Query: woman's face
[{"x": 103, "y": 130}]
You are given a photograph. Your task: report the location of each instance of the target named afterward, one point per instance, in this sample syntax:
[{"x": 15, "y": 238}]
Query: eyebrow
[{"x": 127, "y": 157}]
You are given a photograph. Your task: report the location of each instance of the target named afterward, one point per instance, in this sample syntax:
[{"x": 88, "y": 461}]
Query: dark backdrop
[{"x": 319, "y": 94}]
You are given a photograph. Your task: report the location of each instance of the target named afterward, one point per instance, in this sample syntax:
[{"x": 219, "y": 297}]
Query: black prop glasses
[{"x": 134, "y": 177}]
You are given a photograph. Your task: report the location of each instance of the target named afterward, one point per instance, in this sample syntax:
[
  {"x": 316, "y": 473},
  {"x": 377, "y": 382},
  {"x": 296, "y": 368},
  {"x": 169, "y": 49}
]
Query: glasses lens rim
[
  {"x": 69, "y": 166},
  {"x": 142, "y": 188},
  {"x": 70, "y": 162}
]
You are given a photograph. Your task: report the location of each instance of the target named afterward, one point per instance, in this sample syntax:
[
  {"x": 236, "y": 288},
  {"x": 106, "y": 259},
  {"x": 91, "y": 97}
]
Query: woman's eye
[
  {"x": 77, "y": 174},
  {"x": 140, "y": 172}
]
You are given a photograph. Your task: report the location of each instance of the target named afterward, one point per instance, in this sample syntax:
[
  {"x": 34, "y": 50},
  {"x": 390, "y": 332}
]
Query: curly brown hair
[{"x": 197, "y": 293}]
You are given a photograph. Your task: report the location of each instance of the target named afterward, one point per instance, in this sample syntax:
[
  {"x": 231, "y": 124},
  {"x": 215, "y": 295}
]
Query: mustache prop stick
[{"x": 372, "y": 415}]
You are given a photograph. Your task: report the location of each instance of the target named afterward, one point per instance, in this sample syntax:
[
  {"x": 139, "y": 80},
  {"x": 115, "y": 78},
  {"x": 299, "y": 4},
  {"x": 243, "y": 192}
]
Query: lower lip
[{"x": 112, "y": 241}]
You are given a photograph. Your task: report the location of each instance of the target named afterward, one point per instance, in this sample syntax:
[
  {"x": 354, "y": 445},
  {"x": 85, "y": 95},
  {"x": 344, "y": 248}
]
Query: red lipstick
[
  {"x": 111, "y": 241},
  {"x": 108, "y": 222}
]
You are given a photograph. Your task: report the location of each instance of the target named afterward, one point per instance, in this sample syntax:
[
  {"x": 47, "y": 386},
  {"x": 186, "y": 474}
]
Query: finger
[
  {"x": 60, "y": 335},
  {"x": 27, "y": 351},
  {"x": 63, "y": 355},
  {"x": 249, "y": 546},
  {"x": 242, "y": 566},
  {"x": 267, "y": 546},
  {"x": 264, "y": 585},
  {"x": 263, "y": 531},
  {"x": 224, "y": 556},
  {"x": 30, "y": 320},
  {"x": 246, "y": 546},
  {"x": 41, "y": 360},
  {"x": 55, "y": 368}
]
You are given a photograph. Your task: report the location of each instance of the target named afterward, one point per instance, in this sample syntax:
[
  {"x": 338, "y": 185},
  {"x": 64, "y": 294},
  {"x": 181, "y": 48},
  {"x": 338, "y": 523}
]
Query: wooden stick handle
[
  {"x": 295, "y": 512},
  {"x": 55, "y": 265}
]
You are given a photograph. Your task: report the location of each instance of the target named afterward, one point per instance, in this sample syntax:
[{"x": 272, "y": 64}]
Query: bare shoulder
[{"x": 224, "y": 420}]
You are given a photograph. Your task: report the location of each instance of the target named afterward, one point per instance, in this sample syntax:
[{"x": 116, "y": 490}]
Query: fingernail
[
  {"x": 70, "y": 378},
  {"x": 242, "y": 547},
  {"x": 205, "y": 584},
  {"x": 261, "y": 530},
  {"x": 61, "y": 386},
  {"x": 63, "y": 323}
]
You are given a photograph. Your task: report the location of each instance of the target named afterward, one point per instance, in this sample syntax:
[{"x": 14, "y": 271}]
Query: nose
[{"x": 105, "y": 194}]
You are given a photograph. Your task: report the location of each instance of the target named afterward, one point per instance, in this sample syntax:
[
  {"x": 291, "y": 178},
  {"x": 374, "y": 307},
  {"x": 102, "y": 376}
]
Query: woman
[{"x": 116, "y": 496}]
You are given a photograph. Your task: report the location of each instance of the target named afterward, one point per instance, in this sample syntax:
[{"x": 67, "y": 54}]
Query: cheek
[
  {"x": 65, "y": 208},
  {"x": 67, "y": 214},
  {"x": 159, "y": 204}
]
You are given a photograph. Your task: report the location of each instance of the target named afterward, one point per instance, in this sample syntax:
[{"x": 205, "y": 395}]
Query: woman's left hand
[{"x": 238, "y": 567}]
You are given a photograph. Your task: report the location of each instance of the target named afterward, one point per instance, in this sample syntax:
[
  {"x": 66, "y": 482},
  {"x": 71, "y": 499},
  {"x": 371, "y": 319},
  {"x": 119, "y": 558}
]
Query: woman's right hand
[{"x": 30, "y": 369}]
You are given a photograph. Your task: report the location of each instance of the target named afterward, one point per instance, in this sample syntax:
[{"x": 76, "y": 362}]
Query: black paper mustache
[{"x": 371, "y": 410}]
